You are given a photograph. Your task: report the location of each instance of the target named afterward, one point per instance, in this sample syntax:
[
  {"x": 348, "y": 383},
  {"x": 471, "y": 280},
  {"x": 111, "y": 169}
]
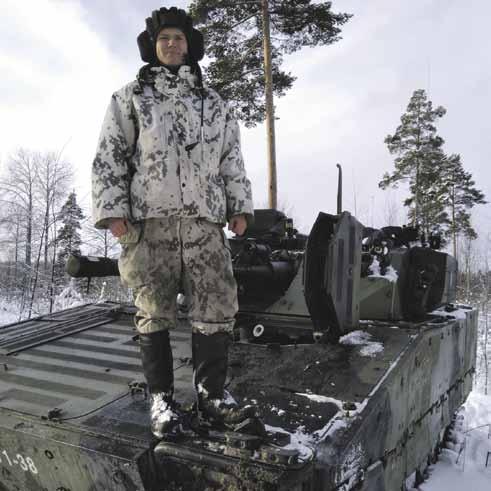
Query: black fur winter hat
[{"x": 170, "y": 17}]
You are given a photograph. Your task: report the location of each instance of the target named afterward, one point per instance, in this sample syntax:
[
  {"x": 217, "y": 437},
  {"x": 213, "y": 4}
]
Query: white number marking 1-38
[{"x": 25, "y": 463}]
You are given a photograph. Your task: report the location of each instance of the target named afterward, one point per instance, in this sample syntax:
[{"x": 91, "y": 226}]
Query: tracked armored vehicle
[{"x": 348, "y": 340}]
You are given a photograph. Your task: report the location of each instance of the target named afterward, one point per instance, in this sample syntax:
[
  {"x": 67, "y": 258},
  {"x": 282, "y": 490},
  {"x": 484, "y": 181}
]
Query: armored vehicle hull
[{"x": 74, "y": 416}]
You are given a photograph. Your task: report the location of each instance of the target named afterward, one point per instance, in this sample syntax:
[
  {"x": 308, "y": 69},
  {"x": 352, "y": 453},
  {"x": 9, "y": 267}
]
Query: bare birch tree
[
  {"x": 32, "y": 185},
  {"x": 18, "y": 188},
  {"x": 55, "y": 176}
]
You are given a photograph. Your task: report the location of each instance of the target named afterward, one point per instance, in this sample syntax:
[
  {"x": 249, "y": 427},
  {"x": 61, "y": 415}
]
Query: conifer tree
[
  {"x": 442, "y": 193},
  {"x": 233, "y": 33},
  {"x": 460, "y": 195},
  {"x": 419, "y": 160},
  {"x": 68, "y": 238}
]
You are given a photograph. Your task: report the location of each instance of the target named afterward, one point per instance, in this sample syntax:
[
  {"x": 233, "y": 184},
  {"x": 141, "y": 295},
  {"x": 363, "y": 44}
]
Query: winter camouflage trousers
[{"x": 161, "y": 257}]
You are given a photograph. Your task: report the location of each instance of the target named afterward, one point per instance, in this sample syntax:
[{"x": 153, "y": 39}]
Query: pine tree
[
  {"x": 68, "y": 237},
  {"x": 441, "y": 191},
  {"x": 460, "y": 196},
  {"x": 233, "y": 33},
  {"x": 419, "y": 162}
]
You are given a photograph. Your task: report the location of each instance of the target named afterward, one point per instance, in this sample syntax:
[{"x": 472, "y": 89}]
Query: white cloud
[{"x": 61, "y": 76}]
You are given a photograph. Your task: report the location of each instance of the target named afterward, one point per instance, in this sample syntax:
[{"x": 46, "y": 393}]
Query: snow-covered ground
[
  {"x": 11, "y": 308},
  {"x": 464, "y": 466},
  {"x": 9, "y": 311}
]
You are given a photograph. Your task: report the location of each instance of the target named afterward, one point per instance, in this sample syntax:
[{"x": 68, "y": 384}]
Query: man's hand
[
  {"x": 238, "y": 224},
  {"x": 118, "y": 227}
]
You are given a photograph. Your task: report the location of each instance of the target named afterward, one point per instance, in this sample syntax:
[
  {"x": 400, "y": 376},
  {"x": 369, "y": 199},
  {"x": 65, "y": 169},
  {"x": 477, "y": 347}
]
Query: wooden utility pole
[{"x": 268, "y": 73}]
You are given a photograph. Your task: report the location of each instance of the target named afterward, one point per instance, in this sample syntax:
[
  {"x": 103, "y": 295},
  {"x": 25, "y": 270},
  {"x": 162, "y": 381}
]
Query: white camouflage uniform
[{"x": 176, "y": 200}]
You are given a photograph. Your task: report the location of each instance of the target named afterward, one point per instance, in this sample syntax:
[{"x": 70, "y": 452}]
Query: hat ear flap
[
  {"x": 145, "y": 45},
  {"x": 149, "y": 26},
  {"x": 155, "y": 21},
  {"x": 196, "y": 45}
]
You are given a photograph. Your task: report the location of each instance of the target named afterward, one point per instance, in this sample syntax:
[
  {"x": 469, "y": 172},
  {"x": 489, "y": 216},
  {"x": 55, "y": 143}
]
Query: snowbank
[
  {"x": 68, "y": 298},
  {"x": 463, "y": 466}
]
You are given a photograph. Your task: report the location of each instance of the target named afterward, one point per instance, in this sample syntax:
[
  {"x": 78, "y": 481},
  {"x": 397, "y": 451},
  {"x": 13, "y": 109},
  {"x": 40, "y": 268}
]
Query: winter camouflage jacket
[{"x": 142, "y": 168}]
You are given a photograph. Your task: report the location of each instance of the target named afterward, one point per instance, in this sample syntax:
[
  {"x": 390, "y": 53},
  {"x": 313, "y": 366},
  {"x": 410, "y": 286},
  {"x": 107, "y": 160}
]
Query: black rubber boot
[
  {"x": 157, "y": 362},
  {"x": 210, "y": 361}
]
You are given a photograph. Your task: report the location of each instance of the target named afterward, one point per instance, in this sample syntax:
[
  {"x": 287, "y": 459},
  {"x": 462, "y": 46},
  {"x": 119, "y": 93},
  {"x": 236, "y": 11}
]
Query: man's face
[{"x": 171, "y": 46}]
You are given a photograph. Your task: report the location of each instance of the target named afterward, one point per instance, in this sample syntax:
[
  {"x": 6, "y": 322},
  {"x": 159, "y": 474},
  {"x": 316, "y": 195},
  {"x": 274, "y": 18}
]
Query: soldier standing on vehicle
[{"x": 168, "y": 174}]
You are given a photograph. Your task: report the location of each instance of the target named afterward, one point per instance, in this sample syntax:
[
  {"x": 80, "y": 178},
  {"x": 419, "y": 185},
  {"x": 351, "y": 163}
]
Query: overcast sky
[{"x": 60, "y": 61}]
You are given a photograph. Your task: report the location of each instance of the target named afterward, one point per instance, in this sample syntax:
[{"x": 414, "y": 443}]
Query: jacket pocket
[{"x": 132, "y": 262}]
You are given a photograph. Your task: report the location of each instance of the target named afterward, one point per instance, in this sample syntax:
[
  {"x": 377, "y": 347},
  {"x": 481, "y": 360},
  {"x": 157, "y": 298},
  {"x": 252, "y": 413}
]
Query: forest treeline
[{"x": 41, "y": 223}]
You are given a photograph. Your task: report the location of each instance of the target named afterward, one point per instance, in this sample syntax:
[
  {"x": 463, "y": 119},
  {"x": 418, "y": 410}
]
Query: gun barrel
[
  {"x": 91, "y": 266},
  {"x": 278, "y": 271}
]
